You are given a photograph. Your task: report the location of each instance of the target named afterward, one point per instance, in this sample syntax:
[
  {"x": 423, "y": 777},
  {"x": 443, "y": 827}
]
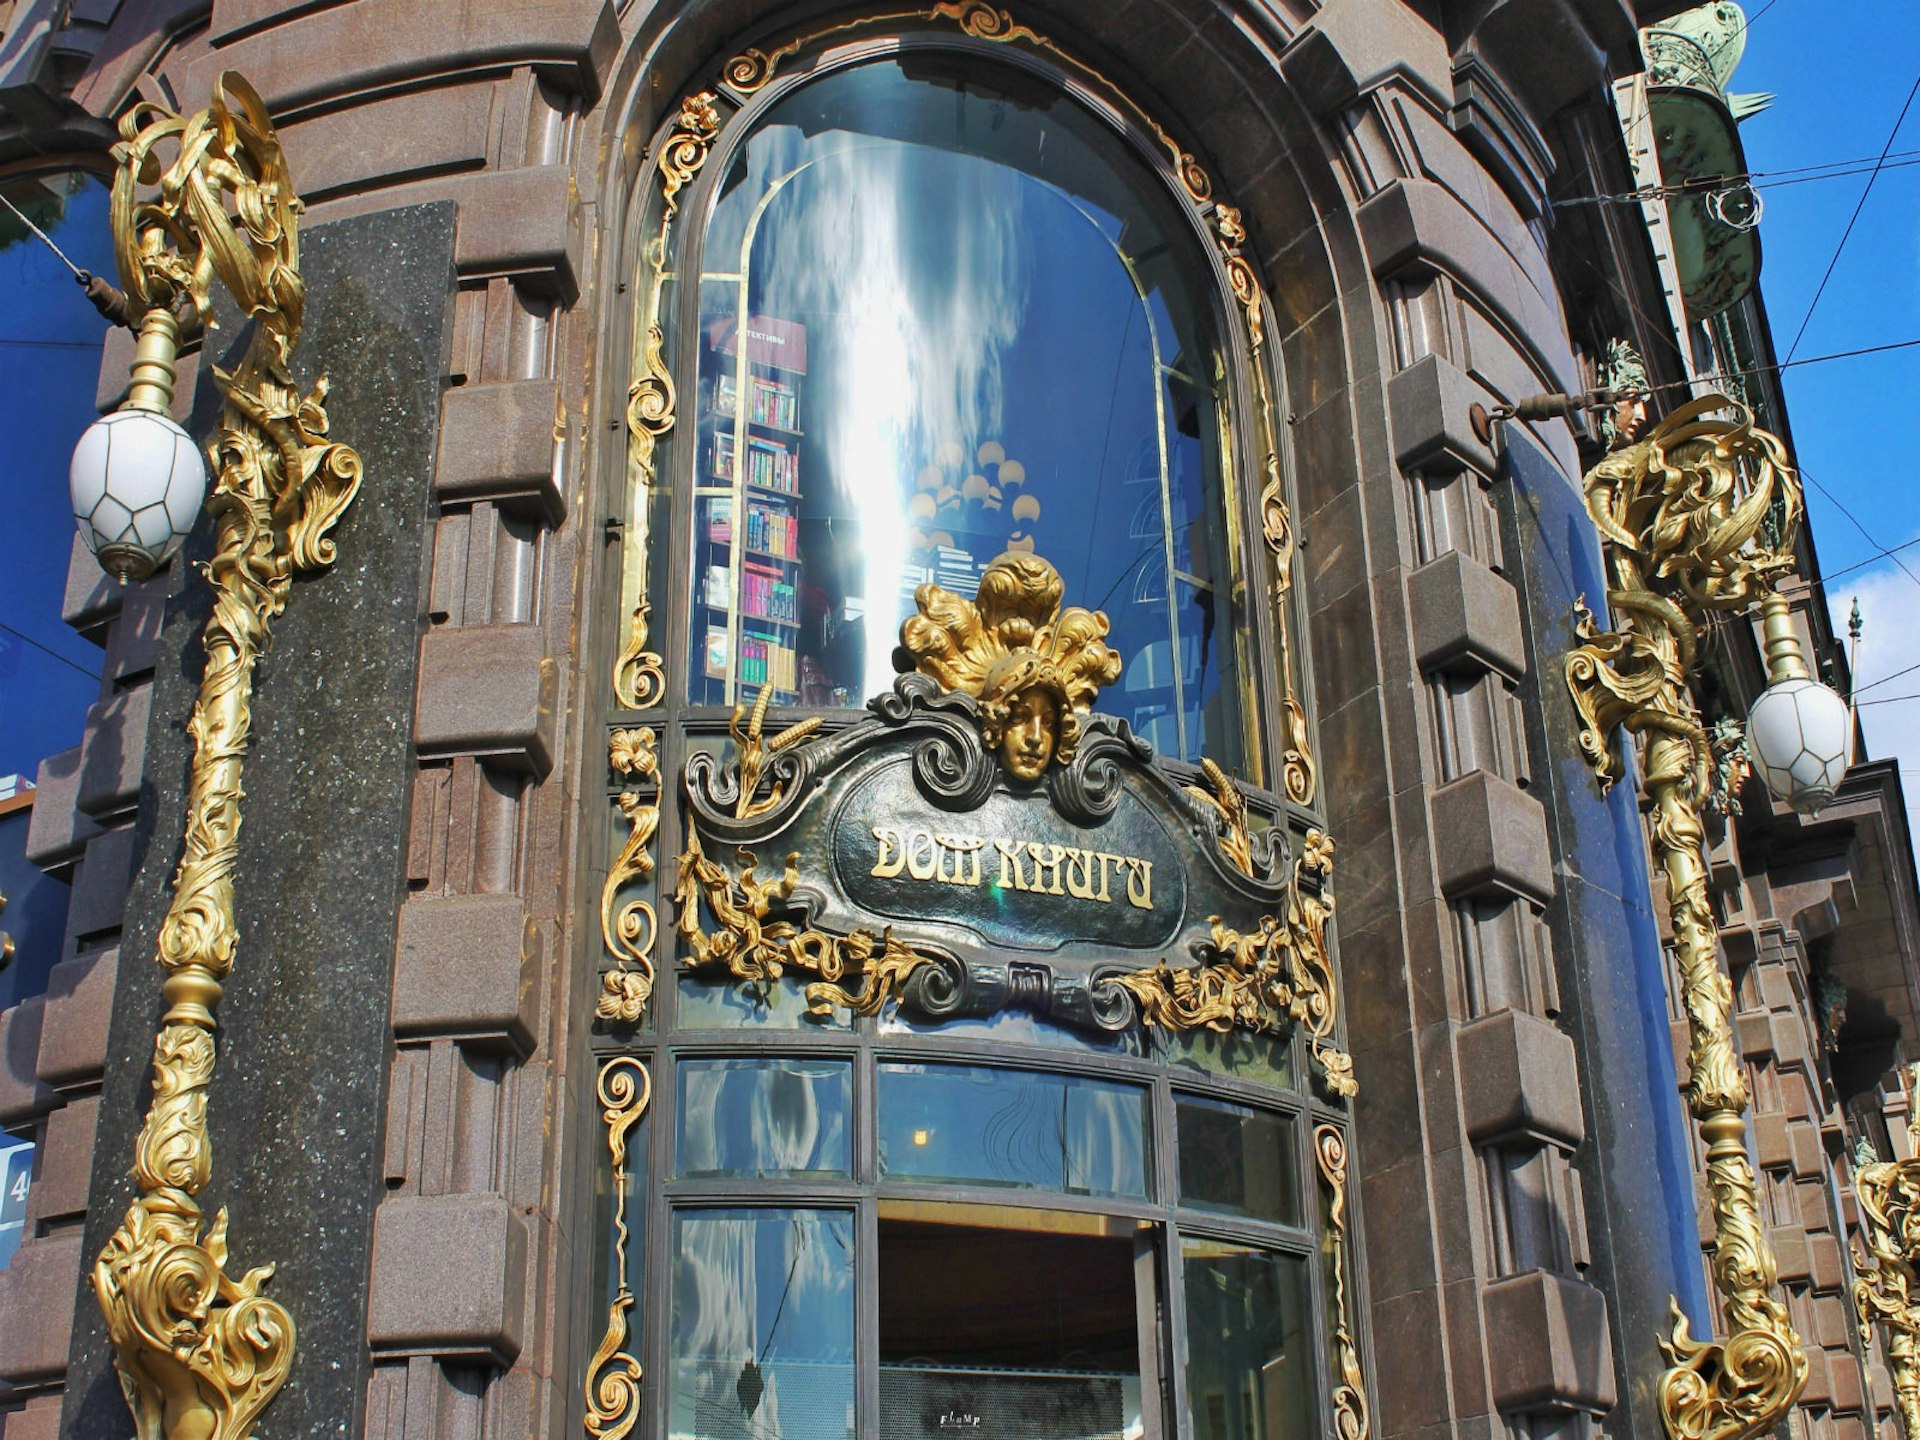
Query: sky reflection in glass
[
  {"x": 970, "y": 1124},
  {"x": 988, "y": 331},
  {"x": 775, "y": 1117},
  {"x": 762, "y": 1325}
]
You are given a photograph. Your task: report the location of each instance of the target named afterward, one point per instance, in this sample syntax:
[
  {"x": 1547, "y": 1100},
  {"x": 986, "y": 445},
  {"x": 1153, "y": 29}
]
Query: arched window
[
  {"x": 901, "y": 1148},
  {"x": 944, "y": 311}
]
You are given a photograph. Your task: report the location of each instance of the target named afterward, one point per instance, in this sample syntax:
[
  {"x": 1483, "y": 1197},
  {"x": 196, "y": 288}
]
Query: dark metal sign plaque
[{"x": 898, "y": 861}]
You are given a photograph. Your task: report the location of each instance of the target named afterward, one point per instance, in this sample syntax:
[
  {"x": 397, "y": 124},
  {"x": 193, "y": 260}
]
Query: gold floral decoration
[
  {"x": 1262, "y": 981},
  {"x": 1696, "y": 520},
  {"x": 1034, "y": 668},
  {"x": 629, "y": 930},
  {"x": 613, "y": 1375},
  {"x": 199, "y": 1353},
  {"x": 1227, "y": 801},
  {"x": 860, "y": 971},
  {"x": 1889, "y": 1290}
]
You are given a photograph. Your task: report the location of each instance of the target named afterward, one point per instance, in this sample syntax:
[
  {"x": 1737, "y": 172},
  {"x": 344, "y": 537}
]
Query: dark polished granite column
[
  {"x": 1636, "y": 1166},
  {"x": 298, "y": 1099}
]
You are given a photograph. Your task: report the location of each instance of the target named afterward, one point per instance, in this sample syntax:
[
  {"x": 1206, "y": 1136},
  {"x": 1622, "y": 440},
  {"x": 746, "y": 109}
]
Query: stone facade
[{"x": 1526, "y": 1194}]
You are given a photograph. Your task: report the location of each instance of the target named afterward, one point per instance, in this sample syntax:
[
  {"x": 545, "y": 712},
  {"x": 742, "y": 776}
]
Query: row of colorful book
[
  {"x": 770, "y": 402},
  {"x": 773, "y": 531},
  {"x": 770, "y": 465},
  {"x": 763, "y": 593}
]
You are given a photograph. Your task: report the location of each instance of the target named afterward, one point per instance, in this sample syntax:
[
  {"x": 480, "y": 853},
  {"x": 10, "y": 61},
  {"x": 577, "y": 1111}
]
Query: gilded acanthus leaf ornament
[
  {"x": 1034, "y": 668},
  {"x": 756, "y": 941},
  {"x": 1888, "y": 1290},
  {"x": 1262, "y": 980},
  {"x": 613, "y": 1375},
  {"x": 1696, "y": 519},
  {"x": 629, "y": 929},
  {"x": 199, "y": 1353}
]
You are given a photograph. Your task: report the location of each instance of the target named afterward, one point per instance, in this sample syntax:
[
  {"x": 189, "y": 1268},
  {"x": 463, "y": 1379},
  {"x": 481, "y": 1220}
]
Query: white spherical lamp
[
  {"x": 1798, "y": 730},
  {"x": 137, "y": 479}
]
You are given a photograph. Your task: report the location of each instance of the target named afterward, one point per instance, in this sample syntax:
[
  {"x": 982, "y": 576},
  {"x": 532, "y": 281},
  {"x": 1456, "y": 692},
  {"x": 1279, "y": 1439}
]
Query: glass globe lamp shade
[
  {"x": 1797, "y": 739},
  {"x": 137, "y": 482}
]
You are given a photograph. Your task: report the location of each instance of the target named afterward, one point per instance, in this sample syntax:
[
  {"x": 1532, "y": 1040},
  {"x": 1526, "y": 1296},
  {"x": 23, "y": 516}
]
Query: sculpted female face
[{"x": 1033, "y": 724}]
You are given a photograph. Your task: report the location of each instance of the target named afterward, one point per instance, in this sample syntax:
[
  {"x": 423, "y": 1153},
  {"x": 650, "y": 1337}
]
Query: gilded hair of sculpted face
[{"x": 1034, "y": 668}]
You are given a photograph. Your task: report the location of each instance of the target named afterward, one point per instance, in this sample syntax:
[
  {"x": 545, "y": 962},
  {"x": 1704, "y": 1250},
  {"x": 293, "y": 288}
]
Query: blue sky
[
  {"x": 1840, "y": 78},
  {"x": 49, "y": 366}
]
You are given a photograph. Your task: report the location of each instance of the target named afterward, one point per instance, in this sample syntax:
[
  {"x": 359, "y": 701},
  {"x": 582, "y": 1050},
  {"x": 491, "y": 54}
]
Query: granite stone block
[
  {"x": 37, "y": 1294},
  {"x": 497, "y": 443},
  {"x": 297, "y": 1107},
  {"x": 465, "y": 967},
  {"x": 64, "y": 1164},
  {"x": 99, "y": 902},
  {"x": 449, "y": 1276},
  {"x": 1490, "y": 837},
  {"x": 23, "y": 1096},
  {"x": 113, "y": 753},
  {"x": 1519, "y": 1078},
  {"x": 58, "y": 833},
  {"x": 1464, "y": 613},
  {"x": 1553, "y": 1343},
  {"x": 487, "y": 690},
  {"x": 1429, "y": 402},
  {"x": 73, "y": 1036}
]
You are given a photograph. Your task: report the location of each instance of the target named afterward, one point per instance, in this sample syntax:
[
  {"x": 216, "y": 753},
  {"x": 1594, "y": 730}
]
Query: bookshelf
[{"x": 747, "y": 515}]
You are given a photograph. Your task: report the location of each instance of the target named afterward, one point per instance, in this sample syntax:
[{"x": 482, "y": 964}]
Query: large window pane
[
  {"x": 763, "y": 1117},
  {"x": 1248, "y": 1341},
  {"x": 969, "y": 1124},
  {"x": 762, "y": 1325},
  {"x": 944, "y": 315},
  {"x": 1237, "y": 1160}
]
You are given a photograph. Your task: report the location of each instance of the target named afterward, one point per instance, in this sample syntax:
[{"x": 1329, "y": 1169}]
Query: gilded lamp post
[
  {"x": 1698, "y": 520},
  {"x": 1889, "y": 1195},
  {"x": 201, "y": 1353}
]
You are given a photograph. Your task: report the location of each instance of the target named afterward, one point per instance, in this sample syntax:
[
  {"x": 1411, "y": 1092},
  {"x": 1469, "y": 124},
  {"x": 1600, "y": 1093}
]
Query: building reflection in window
[
  {"x": 773, "y": 1117},
  {"x": 974, "y": 1124},
  {"x": 943, "y": 316},
  {"x": 1249, "y": 1350},
  {"x": 762, "y": 1325},
  {"x": 1237, "y": 1160}
]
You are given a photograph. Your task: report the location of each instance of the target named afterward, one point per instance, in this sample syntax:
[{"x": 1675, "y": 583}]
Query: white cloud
[{"x": 1889, "y": 644}]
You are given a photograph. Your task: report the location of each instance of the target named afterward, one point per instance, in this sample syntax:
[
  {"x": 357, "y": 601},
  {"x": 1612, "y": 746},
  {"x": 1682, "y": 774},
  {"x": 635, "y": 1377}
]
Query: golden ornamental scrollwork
[
  {"x": 629, "y": 930},
  {"x": 1034, "y": 668},
  {"x": 1888, "y": 1289},
  {"x": 1696, "y": 519},
  {"x": 1352, "y": 1416},
  {"x": 639, "y": 674},
  {"x": 199, "y": 1353},
  {"x": 624, "y": 1089},
  {"x": 756, "y": 944},
  {"x": 1264, "y": 979}
]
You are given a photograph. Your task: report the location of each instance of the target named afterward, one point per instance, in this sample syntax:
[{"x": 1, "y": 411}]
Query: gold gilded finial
[{"x": 1035, "y": 668}]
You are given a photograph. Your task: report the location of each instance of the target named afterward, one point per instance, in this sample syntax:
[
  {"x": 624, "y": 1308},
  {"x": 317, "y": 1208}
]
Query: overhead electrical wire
[{"x": 1859, "y": 205}]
